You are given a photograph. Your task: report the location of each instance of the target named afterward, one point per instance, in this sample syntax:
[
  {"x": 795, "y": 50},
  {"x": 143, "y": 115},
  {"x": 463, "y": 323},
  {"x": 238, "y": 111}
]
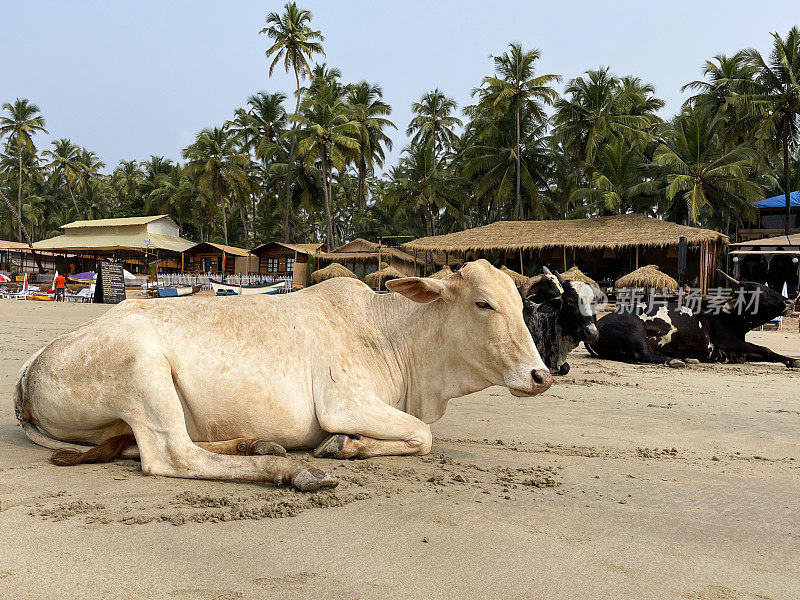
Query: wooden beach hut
[
  {"x": 603, "y": 247},
  {"x": 442, "y": 273},
  {"x": 207, "y": 257},
  {"x": 575, "y": 274},
  {"x": 279, "y": 259},
  {"x": 519, "y": 279}
]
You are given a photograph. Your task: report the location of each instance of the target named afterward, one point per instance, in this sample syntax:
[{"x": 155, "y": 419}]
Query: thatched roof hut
[
  {"x": 442, "y": 273},
  {"x": 331, "y": 271},
  {"x": 622, "y": 238},
  {"x": 648, "y": 276},
  {"x": 519, "y": 279},
  {"x": 575, "y": 274},
  {"x": 364, "y": 251},
  {"x": 615, "y": 231},
  {"x": 378, "y": 278}
]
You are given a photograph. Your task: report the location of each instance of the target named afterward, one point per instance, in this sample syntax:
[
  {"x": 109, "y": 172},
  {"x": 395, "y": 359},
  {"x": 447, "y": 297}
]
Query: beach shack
[
  {"x": 774, "y": 261},
  {"x": 133, "y": 241},
  {"x": 602, "y": 247},
  {"x": 218, "y": 259},
  {"x": 363, "y": 257},
  {"x": 771, "y": 217},
  {"x": 279, "y": 259},
  {"x": 17, "y": 257}
]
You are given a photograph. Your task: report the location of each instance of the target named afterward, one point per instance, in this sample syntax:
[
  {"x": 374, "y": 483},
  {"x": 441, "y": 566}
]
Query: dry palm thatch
[
  {"x": 442, "y": 273},
  {"x": 648, "y": 276},
  {"x": 519, "y": 280},
  {"x": 378, "y": 278},
  {"x": 331, "y": 271},
  {"x": 575, "y": 274},
  {"x": 615, "y": 231}
]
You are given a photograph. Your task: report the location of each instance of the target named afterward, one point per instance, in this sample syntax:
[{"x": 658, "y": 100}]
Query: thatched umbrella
[
  {"x": 648, "y": 276},
  {"x": 331, "y": 271},
  {"x": 575, "y": 274},
  {"x": 378, "y": 278},
  {"x": 442, "y": 273},
  {"x": 519, "y": 280}
]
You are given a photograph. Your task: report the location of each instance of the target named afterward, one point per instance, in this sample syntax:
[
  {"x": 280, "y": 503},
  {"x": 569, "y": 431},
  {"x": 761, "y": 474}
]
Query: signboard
[
  {"x": 682, "y": 251},
  {"x": 110, "y": 284}
]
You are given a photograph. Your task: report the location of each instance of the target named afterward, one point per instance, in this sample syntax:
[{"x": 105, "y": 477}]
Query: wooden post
[
  {"x": 520, "y": 262},
  {"x": 637, "y": 257},
  {"x": 182, "y": 270},
  {"x": 565, "y": 258}
]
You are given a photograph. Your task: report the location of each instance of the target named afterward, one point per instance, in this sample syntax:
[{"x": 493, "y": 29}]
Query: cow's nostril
[{"x": 541, "y": 376}]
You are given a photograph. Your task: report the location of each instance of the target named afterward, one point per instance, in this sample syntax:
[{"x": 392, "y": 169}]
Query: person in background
[{"x": 61, "y": 288}]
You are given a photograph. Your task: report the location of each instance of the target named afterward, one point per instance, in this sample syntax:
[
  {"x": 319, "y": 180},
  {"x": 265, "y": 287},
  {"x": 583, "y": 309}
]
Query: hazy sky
[{"x": 130, "y": 79}]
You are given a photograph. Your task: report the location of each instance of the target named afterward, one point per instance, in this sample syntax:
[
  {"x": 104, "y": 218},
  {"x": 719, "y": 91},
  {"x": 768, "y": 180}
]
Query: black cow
[
  {"x": 560, "y": 315},
  {"x": 708, "y": 335}
]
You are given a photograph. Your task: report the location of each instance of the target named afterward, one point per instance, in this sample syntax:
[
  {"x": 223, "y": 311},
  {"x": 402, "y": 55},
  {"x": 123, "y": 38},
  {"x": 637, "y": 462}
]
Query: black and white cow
[
  {"x": 560, "y": 314},
  {"x": 670, "y": 334}
]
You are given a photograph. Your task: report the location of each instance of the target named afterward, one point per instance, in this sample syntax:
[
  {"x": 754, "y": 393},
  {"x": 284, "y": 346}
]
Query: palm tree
[
  {"x": 368, "y": 110},
  {"x": 600, "y": 107},
  {"x": 777, "y": 99},
  {"x": 295, "y": 43},
  {"x": 21, "y": 122},
  {"x": 433, "y": 121},
  {"x": 220, "y": 169},
  {"x": 619, "y": 181},
  {"x": 514, "y": 87},
  {"x": 701, "y": 177},
  {"x": 65, "y": 163},
  {"x": 328, "y": 135}
]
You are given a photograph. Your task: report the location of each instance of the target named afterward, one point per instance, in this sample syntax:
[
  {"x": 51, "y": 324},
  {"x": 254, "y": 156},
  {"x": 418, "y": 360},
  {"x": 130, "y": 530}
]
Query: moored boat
[
  {"x": 226, "y": 289},
  {"x": 179, "y": 290}
]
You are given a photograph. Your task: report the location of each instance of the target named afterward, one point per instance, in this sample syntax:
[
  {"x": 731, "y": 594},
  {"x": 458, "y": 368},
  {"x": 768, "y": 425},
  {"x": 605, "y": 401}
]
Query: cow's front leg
[
  {"x": 364, "y": 430},
  {"x": 244, "y": 447}
]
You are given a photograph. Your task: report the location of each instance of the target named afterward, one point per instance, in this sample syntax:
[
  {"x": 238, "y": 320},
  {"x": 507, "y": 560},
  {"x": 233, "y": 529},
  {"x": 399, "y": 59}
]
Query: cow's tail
[{"x": 66, "y": 453}]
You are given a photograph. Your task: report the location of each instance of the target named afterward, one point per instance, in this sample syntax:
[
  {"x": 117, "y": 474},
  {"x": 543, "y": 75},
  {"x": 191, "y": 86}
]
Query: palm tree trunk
[
  {"x": 518, "y": 204},
  {"x": 287, "y": 200},
  {"x": 328, "y": 205},
  {"x": 243, "y": 217},
  {"x": 362, "y": 176},
  {"x": 23, "y": 229},
  {"x": 19, "y": 195},
  {"x": 786, "y": 183},
  {"x": 225, "y": 222},
  {"x": 74, "y": 203}
]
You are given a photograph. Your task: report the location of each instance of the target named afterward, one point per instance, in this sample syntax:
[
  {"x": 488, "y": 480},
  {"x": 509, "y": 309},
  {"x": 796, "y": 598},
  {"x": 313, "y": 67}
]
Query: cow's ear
[
  {"x": 418, "y": 289},
  {"x": 550, "y": 306}
]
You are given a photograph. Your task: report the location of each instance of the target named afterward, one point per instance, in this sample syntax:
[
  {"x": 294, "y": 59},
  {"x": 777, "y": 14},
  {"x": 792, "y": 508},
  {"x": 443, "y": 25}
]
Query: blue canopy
[{"x": 779, "y": 201}]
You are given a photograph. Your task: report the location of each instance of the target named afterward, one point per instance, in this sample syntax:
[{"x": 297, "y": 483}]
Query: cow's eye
[{"x": 483, "y": 305}]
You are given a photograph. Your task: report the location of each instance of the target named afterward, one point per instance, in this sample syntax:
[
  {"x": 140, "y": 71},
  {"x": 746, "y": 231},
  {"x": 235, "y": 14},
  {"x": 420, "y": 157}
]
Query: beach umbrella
[
  {"x": 575, "y": 274},
  {"x": 4, "y": 278},
  {"x": 648, "y": 276},
  {"x": 519, "y": 280},
  {"x": 378, "y": 278},
  {"x": 331, "y": 271},
  {"x": 442, "y": 273},
  {"x": 85, "y": 277},
  {"x": 25, "y": 283},
  {"x": 127, "y": 274}
]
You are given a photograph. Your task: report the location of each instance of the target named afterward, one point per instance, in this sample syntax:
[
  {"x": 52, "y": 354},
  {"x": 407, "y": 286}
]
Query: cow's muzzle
[{"x": 541, "y": 380}]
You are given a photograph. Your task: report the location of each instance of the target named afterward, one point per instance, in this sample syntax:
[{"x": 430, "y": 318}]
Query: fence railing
[{"x": 176, "y": 279}]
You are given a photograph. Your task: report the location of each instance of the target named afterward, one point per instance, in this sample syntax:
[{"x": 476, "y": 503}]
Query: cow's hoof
[
  {"x": 794, "y": 364},
  {"x": 339, "y": 445},
  {"x": 676, "y": 363},
  {"x": 691, "y": 361},
  {"x": 563, "y": 369},
  {"x": 264, "y": 447},
  {"x": 312, "y": 479}
]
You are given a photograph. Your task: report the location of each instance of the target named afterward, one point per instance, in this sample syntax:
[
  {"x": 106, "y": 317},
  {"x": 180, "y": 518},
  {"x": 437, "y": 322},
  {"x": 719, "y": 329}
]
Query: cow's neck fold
[{"x": 426, "y": 362}]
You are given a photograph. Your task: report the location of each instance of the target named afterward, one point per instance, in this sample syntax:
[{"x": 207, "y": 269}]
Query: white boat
[{"x": 226, "y": 289}]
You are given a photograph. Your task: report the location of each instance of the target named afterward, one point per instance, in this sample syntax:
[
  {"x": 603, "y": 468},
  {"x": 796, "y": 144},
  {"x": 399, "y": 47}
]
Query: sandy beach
[{"x": 621, "y": 481}]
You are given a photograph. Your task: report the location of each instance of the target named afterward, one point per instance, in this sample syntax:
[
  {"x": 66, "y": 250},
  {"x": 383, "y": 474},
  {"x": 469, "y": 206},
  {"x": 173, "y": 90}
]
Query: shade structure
[
  {"x": 442, "y": 273},
  {"x": 575, "y": 274},
  {"x": 331, "y": 271},
  {"x": 378, "y": 278},
  {"x": 648, "y": 276},
  {"x": 519, "y": 279}
]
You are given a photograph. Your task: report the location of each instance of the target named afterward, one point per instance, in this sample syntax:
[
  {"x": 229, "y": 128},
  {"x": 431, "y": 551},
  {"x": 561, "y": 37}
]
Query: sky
[{"x": 131, "y": 79}]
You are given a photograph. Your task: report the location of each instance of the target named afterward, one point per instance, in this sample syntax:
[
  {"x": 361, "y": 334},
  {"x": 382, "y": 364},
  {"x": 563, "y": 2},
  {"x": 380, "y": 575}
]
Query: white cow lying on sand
[{"x": 216, "y": 388}]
